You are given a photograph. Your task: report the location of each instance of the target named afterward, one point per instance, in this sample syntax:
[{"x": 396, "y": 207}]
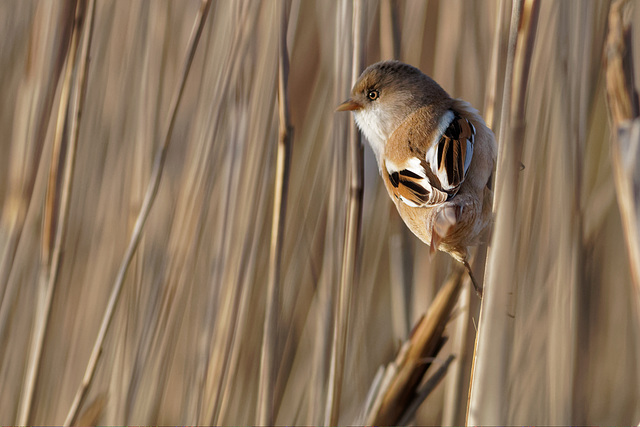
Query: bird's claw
[{"x": 473, "y": 279}]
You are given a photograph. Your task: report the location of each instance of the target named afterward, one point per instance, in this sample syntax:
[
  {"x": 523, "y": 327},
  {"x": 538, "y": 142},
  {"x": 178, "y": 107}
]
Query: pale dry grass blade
[
  {"x": 235, "y": 362},
  {"x": 622, "y": 100},
  {"x": 226, "y": 303},
  {"x": 47, "y": 55},
  {"x": 390, "y": 49},
  {"x": 93, "y": 412},
  {"x": 500, "y": 36},
  {"x": 396, "y": 395},
  {"x": 212, "y": 366},
  {"x": 389, "y": 34},
  {"x": 58, "y": 194},
  {"x": 22, "y": 171},
  {"x": 426, "y": 390},
  {"x": 489, "y": 385},
  {"x": 144, "y": 212},
  {"x": 414, "y": 33},
  {"x": 149, "y": 23},
  {"x": 317, "y": 216},
  {"x": 487, "y": 388},
  {"x": 462, "y": 339},
  {"x": 266, "y": 386},
  {"x": 352, "y": 235}
]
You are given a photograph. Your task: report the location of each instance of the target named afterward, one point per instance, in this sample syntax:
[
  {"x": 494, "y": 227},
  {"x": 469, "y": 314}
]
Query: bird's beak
[{"x": 349, "y": 105}]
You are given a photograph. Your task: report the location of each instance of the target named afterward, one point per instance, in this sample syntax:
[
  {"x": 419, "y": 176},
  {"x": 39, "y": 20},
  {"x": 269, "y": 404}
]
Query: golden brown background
[{"x": 185, "y": 342}]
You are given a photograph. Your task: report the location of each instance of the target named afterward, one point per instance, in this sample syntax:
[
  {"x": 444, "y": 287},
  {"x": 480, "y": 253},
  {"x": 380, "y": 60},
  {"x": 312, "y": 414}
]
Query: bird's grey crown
[{"x": 402, "y": 90}]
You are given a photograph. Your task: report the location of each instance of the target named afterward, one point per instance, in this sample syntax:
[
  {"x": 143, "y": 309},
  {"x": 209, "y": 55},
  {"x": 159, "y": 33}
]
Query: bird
[{"x": 435, "y": 154}]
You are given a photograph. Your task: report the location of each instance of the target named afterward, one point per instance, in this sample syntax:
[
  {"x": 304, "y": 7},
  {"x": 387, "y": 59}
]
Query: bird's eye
[{"x": 373, "y": 95}]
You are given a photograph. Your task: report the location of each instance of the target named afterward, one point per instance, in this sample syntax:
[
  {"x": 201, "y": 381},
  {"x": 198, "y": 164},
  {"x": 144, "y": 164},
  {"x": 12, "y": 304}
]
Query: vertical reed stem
[
  {"x": 149, "y": 198},
  {"x": 488, "y": 385},
  {"x": 622, "y": 101},
  {"x": 352, "y": 234},
  {"x": 266, "y": 386},
  {"x": 57, "y": 203}
]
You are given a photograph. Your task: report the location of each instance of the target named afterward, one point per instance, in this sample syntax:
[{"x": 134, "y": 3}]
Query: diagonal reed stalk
[
  {"x": 150, "y": 195},
  {"x": 58, "y": 196},
  {"x": 399, "y": 394},
  {"x": 266, "y": 385},
  {"x": 352, "y": 234}
]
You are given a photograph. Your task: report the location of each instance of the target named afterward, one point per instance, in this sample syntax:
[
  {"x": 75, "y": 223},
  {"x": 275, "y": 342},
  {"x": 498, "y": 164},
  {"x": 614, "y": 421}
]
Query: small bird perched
[{"x": 435, "y": 155}]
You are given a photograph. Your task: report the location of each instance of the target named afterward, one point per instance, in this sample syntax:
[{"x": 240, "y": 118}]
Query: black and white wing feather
[{"x": 436, "y": 177}]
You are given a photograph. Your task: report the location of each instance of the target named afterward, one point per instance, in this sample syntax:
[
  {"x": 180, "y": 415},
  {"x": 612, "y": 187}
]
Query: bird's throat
[{"x": 374, "y": 130}]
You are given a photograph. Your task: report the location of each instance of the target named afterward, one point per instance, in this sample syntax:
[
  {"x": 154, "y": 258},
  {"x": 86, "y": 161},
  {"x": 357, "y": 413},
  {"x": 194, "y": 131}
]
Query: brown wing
[{"x": 437, "y": 177}]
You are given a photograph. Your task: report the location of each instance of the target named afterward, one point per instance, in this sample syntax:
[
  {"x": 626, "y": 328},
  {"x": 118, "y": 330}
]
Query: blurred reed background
[{"x": 559, "y": 331}]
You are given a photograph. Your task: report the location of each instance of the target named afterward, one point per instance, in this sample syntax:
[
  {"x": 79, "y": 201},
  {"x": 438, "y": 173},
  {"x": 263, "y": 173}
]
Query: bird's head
[{"x": 385, "y": 94}]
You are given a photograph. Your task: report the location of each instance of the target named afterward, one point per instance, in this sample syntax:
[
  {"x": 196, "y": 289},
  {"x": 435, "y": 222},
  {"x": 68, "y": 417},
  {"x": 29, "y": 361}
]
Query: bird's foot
[{"x": 473, "y": 279}]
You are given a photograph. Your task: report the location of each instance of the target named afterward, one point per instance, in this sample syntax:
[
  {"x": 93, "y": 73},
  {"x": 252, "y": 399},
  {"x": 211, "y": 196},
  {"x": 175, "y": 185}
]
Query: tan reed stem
[
  {"x": 266, "y": 386},
  {"x": 149, "y": 198}
]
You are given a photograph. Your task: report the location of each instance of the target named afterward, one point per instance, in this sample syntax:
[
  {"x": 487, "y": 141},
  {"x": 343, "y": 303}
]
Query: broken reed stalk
[
  {"x": 425, "y": 390},
  {"x": 352, "y": 235},
  {"x": 488, "y": 388},
  {"x": 266, "y": 386},
  {"x": 152, "y": 189},
  {"x": 622, "y": 102},
  {"x": 58, "y": 197},
  {"x": 396, "y": 399}
]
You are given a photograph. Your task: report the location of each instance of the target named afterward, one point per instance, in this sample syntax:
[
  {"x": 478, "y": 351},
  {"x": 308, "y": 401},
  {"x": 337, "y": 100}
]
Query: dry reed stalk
[
  {"x": 171, "y": 319},
  {"x": 491, "y": 97},
  {"x": 488, "y": 385},
  {"x": 330, "y": 227},
  {"x": 456, "y": 386},
  {"x": 424, "y": 391},
  {"x": 266, "y": 386},
  {"x": 389, "y": 32},
  {"x": 257, "y": 119},
  {"x": 328, "y": 270},
  {"x": 58, "y": 197},
  {"x": 398, "y": 395},
  {"x": 351, "y": 239},
  {"x": 415, "y": 31},
  {"x": 212, "y": 369},
  {"x": 398, "y": 279},
  {"x": 458, "y": 378},
  {"x": 47, "y": 57},
  {"x": 93, "y": 411},
  {"x": 390, "y": 49},
  {"x": 495, "y": 301},
  {"x": 150, "y": 194},
  {"x": 149, "y": 21},
  {"x": 622, "y": 101},
  {"x": 246, "y": 259},
  {"x": 228, "y": 305},
  {"x": 318, "y": 193}
]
